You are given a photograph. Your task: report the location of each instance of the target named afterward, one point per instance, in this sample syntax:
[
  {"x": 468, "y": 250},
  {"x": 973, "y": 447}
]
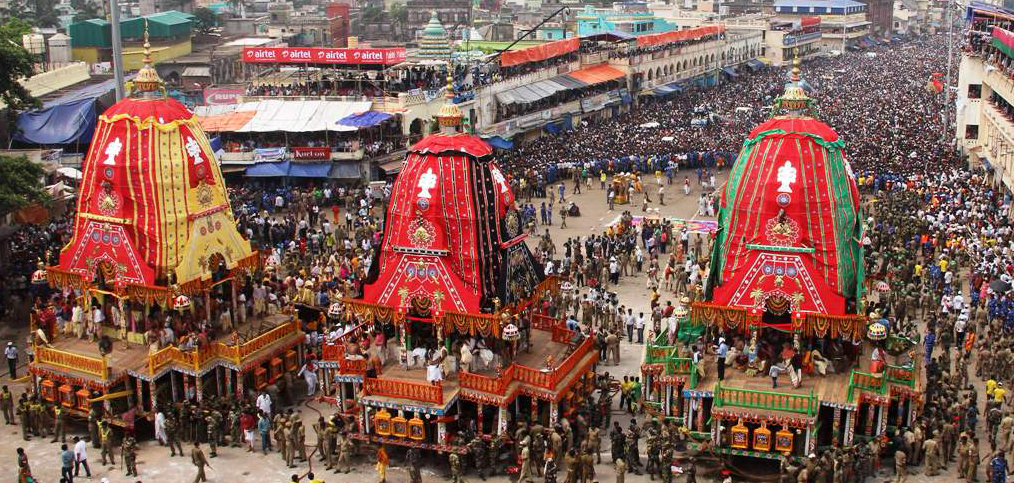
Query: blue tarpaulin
[
  {"x": 755, "y": 64},
  {"x": 365, "y": 119},
  {"x": 668, "y": 89},
  {"x": 499, "y": 143},
  {"x": 730, "y": 71},
  {"x": 552, "y": 128},
  {"x": 64, "y": 124},
  {"x": 309, "y": 170},
  {"x": 268, "y": 170}
]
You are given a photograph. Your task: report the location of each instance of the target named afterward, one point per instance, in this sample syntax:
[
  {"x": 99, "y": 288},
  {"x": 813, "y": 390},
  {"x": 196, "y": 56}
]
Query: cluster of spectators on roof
[{"x": 633, "y": 51}]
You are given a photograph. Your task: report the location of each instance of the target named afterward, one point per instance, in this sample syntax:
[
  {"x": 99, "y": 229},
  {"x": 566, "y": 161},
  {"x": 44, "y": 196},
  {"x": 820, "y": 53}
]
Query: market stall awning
[
  {"x": 730, "y": 71},
  {"x": 393, "y": 167},
  {"x": 596, "y": 75},
  {"x": 226, "y": 122},
  {"x": 667, "y": 89},
  {"x": 365, "y": 119},
  {"x": 197, "y": 72},
  {"x": 275, "y": 115},
  {"x": 268, "y": 170},
  {"x": 499, "y": 142},
  {"x": 309, "y": 170},
  {"x": 754, "y": 64},
  {"x": 568, "y": 82}
]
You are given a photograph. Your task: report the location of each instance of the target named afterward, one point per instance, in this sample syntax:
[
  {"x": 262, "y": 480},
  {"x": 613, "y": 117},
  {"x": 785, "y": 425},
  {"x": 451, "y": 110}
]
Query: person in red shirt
[{"x": 248, "y": 424}]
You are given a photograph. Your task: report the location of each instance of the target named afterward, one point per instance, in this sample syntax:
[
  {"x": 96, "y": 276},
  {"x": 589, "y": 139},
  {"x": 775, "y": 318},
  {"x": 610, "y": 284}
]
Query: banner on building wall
[
  {"x": 218, "y": 97},
  {"x": 307, "y": 153},
  {"x": 312, "y": 55}
]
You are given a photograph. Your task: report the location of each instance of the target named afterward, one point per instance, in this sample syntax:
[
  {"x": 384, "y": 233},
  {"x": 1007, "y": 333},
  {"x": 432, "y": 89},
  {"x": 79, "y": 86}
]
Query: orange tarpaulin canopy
[
  {"x": 227, "y": 122},
  {"x": 670, "y": 37},
  {"x": 596, "y": 75},
  {"x": 539, "y": 52}
]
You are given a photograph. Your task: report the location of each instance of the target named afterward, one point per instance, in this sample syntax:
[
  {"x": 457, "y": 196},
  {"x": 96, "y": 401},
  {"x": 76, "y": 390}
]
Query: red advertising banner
[
  {"x": 308, "y": 154},
  {"x": 311, "y": 55},
  {"x": 217, "y": 97}
]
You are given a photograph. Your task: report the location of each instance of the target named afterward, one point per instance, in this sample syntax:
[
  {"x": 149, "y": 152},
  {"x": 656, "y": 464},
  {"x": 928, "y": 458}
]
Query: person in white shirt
[
  {"x": 264, "y": 404},
  {"x": 81, "y": 457},
  {"x": 160, "y": 435}
]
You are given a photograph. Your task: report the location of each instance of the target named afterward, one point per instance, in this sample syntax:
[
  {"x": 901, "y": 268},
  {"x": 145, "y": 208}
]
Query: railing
[
  {"x": 432, "y": 393},
  {"x": 202, "y": 356},
  {"x": 659, "y": 354},
  {"x": 498, "y": 386},
  {"x": 544, "y": 322},
  {"x": 336, "y": 352},
  {"x": 267, "y": 338},
  {"x": 74, "y": 362},
  {"x": 905, "y": 376},
  {"x": 778, "y": 401},
  {"x": 865, "y": 382},
  {"x": 546, "y": 379}
]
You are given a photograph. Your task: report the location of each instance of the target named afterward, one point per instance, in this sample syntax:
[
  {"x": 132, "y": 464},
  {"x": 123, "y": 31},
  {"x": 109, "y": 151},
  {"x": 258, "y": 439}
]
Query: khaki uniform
[
  {"x": 932, "y": 453},
  {"x": 972, "y": 470},
  {"x": 198, "y": 459},
  {"x": 106, "y": 433},
  {"x": 900, "y": 467}
]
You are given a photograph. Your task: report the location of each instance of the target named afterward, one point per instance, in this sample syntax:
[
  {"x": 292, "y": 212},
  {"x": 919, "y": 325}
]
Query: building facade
[
  {"x": 984, "y": 99},
  {"x": 843, "y": 23},
  {"x": 631, "y": 20}
]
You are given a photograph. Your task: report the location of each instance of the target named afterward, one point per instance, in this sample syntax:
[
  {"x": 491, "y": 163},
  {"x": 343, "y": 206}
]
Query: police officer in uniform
[
  {"x": 172, "y": 435},
  {"x": 59, "y": 424},
  {"x": 106, "y": 435},
  {"x": 129, "y": 455}
]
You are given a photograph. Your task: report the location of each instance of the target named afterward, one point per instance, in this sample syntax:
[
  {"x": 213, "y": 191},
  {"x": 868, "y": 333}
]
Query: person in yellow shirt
[
  {"x": 918, "y": 270},
  {"x": 990, "y": 387},
  {"x": 999, "y": 393},
  {"x": 943, "y": 265}
]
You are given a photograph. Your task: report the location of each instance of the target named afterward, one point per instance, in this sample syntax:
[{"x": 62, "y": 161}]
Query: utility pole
[
  {"x": 947, "y": 85},
  {"x": 114, "y": 17}
]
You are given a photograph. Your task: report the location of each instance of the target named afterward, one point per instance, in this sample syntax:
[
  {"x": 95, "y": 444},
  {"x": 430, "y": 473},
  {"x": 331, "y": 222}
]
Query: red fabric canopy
[
  {"x": 676, "y": 36},
  {"x": 460, "y": 143},
  {"x": 810, "y": 21},
  {"x": 429, "y": 250},
  {"x": 538, "y": 52},
  {"x": 597, "y": 74},
  {"x": 790, "y": 201}
]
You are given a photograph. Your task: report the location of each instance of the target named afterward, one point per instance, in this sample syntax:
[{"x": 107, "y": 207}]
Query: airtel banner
[
  {"x": 310, "y": 55},
  {"x": 217, "y": 97}
]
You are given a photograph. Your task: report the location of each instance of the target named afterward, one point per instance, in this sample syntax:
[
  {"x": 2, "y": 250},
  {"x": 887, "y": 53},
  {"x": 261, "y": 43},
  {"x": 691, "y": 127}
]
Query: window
[
  {"x": 974, "y": 91},
  {"x": 972, "y": 131}
]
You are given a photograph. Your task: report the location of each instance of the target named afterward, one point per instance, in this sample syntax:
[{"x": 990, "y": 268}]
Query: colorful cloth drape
[{"x": 1003, "y": 40}]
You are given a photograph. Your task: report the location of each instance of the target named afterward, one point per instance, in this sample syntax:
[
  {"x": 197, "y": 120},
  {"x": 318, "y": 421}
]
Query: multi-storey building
[{"x": 984, "y": 116}]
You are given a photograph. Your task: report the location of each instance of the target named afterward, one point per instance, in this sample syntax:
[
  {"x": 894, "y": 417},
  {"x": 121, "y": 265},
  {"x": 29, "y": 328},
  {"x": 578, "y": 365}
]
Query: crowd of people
[{"x": 937, "y": 231}]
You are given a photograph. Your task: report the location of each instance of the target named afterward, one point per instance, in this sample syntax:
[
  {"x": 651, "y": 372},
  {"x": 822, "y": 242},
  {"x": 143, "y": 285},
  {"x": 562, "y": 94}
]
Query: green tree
[
  {"x": 206, "y": 19},
  {"x": 85, "y": 10},
  {"x": 17, "y": 64},
  {"x": 20, "y": 184},
  {"x": 372, "y": 14}
]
